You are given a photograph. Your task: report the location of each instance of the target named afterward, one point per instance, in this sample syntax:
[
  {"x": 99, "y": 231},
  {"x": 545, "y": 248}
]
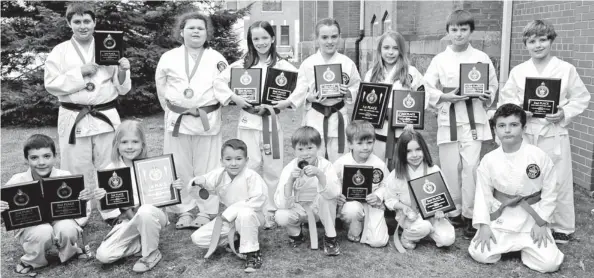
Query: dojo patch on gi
[
  {"x": 378, "y": 175},
  {"x": 345, "y": 79},
  {"x": 221, "y": 66},
  {"x": 533, "y": 171}
]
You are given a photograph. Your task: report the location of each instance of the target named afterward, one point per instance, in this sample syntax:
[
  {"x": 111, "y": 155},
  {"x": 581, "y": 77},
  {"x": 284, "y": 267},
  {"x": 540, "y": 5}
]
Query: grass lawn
[{"x": 183, "y": 259}]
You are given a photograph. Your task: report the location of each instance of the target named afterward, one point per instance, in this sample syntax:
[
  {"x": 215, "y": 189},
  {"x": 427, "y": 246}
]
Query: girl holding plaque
[
  {"x": 137, "y": 229},
  {"x": 257, "y": 126},
  {"x": 550, "y": 133},
  {"x": 414, "y": 161},
  {"x": 185, "y": 86},
  {"x": 392, "y": 66},
  {"x": 328, "y": 115}
]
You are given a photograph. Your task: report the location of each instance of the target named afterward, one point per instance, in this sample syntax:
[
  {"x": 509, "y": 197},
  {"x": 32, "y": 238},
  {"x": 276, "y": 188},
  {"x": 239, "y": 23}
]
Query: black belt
[
  {"x": 83, "y": 110},
  {"x": 268, "y": 118},
  {"x": 196, "y": 112},
  {"x": 327, "y": 111}
]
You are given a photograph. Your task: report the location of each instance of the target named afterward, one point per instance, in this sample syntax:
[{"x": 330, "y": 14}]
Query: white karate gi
[
  {"x": 508, "y": 173},
  {"x": 291, "y": 214},
  {"x": 306, "y": 85},
  {"x": 36, "y": 240},
  {"x": 441, "y": 231},
  {"x": 63, "y": 79},
  {"x": 250, "y": 128},
  {"x": 459, "y": 159},
  {"x": 379, "y": 148},
  {"x": 552, "y": 138},
  {"x": 375, "y": 229},
  {"x": 139, "y": 234},
  {"x": 195, "y": 151},
  {"x": 245, "y": 199}
]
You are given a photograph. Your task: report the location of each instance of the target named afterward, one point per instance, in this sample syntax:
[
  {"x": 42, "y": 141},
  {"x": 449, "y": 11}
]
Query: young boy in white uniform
[
  {"x": 244, "y": 193},
  {"x": 308, "y": 184},
  {"x": 550, "y": 133},
  {"x": 366, "y": 220},
  {"x": 40, "y": 154},
  {"x": 185, "y": 85},
  {"x": 459, "y": 138},
  {"x": 87, "y": 93},
  {"x": 515, "y": 198}
]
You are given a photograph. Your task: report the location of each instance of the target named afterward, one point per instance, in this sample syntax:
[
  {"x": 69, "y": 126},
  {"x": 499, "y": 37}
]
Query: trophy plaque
[
  {"x": 279, "y": 85},
  {"x": 154, "y": 177},
  {"x": 247, "y": 83},
  {"x": 431, "y": 195},
  {"x": 474, "y": 79},
  {"x": 328, "y": 79},
  {"x": 118, "y": 187},
  {"x": 109, "y": 47},
  {"x": 371, "y": 103},
  {"x": 26, "y": 205},
  {"x": 541, "y": 96},
  {"x": 61, "y": 195},
  {"x": 357, "y": 182},
  {"x": 408, "y": 107}
]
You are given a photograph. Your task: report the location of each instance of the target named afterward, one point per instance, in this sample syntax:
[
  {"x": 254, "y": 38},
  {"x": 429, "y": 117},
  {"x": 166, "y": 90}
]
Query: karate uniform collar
[
  {"x": 29, "y": 174},
  {"x": 319, "y": 53},
  {"x": 355, "y": 161},
  {"x": 227, "y": 179},
  {"x": 89, "y": 52},
  {"x": 552, "y": 63},
  {"x": 469, "y": 49},
  {"x": 413, "y": 174}
]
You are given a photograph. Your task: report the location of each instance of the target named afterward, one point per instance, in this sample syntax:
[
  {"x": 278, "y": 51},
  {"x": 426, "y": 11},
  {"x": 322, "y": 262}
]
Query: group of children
[{"x": 528, "y": 216}]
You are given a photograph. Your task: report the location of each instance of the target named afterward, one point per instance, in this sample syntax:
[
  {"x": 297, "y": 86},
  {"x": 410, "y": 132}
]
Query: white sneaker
[{"x": 270, "y": 222}]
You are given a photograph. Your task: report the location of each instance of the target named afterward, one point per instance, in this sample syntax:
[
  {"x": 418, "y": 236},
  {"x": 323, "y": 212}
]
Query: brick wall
[{"x": 574, "y": 24}]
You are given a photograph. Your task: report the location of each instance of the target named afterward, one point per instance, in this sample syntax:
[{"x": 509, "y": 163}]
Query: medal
[
  {"x": 267, "y": 150},
  {"x": 188, "y": 93},
  {"x": 90, "y": 86}
]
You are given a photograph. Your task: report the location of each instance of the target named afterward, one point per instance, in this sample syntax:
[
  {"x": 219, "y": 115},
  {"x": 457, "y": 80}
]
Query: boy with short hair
[
  {"x": 244, "y": 193},
  {"x": 87, "y": 93},
  {"x": 366, "y": 220},
  {"x": 515, "y": 198},
  {"x": 462, "y": 122},
  {"x": 40, "y": 154},
  {"x": 308, "y": 185},
  {"x": 550, "y": 133}
]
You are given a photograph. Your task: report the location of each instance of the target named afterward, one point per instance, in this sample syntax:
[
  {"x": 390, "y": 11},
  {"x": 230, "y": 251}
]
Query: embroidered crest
[
  {"x": 429, "y": 187},
  {"x": 474, "y": 75},
  {"x": 378, "y": 175},
  {"x": 115, "y": 181},
  {"x": 245, "y": 79},
  {"x": 533, "y": 171},
  {"x": 21, "y": 199},
  {"x": 155, "y": 174},
  {"x": 345, "y": 79},
  {"x": 542, "y": 90},
  {"x": 221, "y": 66},
  {"x": 371, "y": 98},
  {"x": 328, "y": 75},
  {"x": 109, "y": 42},
  {"x": 358, "y": 178},
  {"x": 64, "y": 191},
  {"x": 408, "y": 101},
  {"x": 281, "y": 80}
]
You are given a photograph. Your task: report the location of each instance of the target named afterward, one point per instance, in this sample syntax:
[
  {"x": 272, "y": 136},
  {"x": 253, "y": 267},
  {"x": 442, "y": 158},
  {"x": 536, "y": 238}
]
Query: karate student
[
  {"x": 550, "y": 133},
  {"x": 136, "y": 229},
  {"x": 459, "y": 137},
  {"x": 244, "y": 194},
  {"x": 40, "y": 153},
  {"x": 392, "y": 66},
  {"x": 414, "y": 161},
  {"x": 185, "y": 85},
  {"x": 515, "y": 198},
  {"x": 326, "y": 115},
  {"x": 366, "y": 220},
  {"x": 317, "y": 176},
  {"x": 262, "y": 54},
  {"x": 87, "y": 93}
]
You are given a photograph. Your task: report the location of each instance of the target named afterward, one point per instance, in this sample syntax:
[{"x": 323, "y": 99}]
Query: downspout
[
  {"x": 361, "y": 34},
  {"x": 506, "y": 31}
]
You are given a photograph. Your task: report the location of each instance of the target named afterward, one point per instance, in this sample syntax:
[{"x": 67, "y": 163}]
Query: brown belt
[
  {"x": 453, "y": 124},
  {"x": 523, "y": 201},
  {"x": 196, "y": 112},
  {"x": 268, "y": 118},
  {"x": 83, "y": 110},
  {"x": 327, "y": 111}
]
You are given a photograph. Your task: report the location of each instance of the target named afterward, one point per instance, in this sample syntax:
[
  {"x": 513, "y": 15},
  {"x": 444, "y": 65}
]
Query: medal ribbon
[
  {"x": 80, "y": 55},
  {"x": 188, "y": 65}
]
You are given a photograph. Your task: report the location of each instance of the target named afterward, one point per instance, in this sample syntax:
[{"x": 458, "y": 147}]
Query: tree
[{"x": 31, "y": 29}]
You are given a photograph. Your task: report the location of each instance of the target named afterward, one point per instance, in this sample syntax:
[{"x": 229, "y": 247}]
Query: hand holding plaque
[
  {"x": 431, "y": 195},
  {"x": 541, "y": 96},
  {"x": 474, "y": 79},
  {"x": 408, "y": 108},
  {"x": 25, "y": 206},
  {"x": 154, "y": 179},
  {"x": 372, "y": 102},
  {"x": 247, "y": 83},
  {"x": 117, "y": 184},
  {"x": 109, "y": 47},
  {"x": 328, "y": 79},
  {"x": 357, "y": 182},
  {"x": 279, "y": 85},
  {"x": 61, "y": 195}
]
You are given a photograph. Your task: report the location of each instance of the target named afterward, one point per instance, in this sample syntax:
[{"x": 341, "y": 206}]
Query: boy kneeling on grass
[
  {"x": 515, "y": 198},
  {"x": 244, "y": 193}
]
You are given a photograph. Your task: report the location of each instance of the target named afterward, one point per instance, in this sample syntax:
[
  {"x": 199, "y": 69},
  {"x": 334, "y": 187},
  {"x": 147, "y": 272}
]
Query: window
[
  {"x": 284, "y": 37},
  {"x": 272, "y": 6}
]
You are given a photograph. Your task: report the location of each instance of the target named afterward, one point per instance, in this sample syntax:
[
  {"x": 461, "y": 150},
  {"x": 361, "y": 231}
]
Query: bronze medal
[
  {"x": 90, "y": 86},
  {"x": 188, "y": 93}
]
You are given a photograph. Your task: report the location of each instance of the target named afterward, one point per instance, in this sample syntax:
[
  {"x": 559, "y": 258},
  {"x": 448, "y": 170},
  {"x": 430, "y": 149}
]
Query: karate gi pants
[
  {"x": 246, "y": 224},
  {"x": 291, "y": 219},
  {"x": 366, "y": 219},
  {"x": 194, "y": 155},
  {"x": 38, "y": 239},
  {"x": 140, "y": 234},
  {"x": 271, "y": 168},
  {"x": 564, "y": 214},
  {"x": 458, "y": 162},
  {"x": 442, "y": 231},
  {"x": 543, "y": 259},
  {"x": 87, "y": 155}
]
